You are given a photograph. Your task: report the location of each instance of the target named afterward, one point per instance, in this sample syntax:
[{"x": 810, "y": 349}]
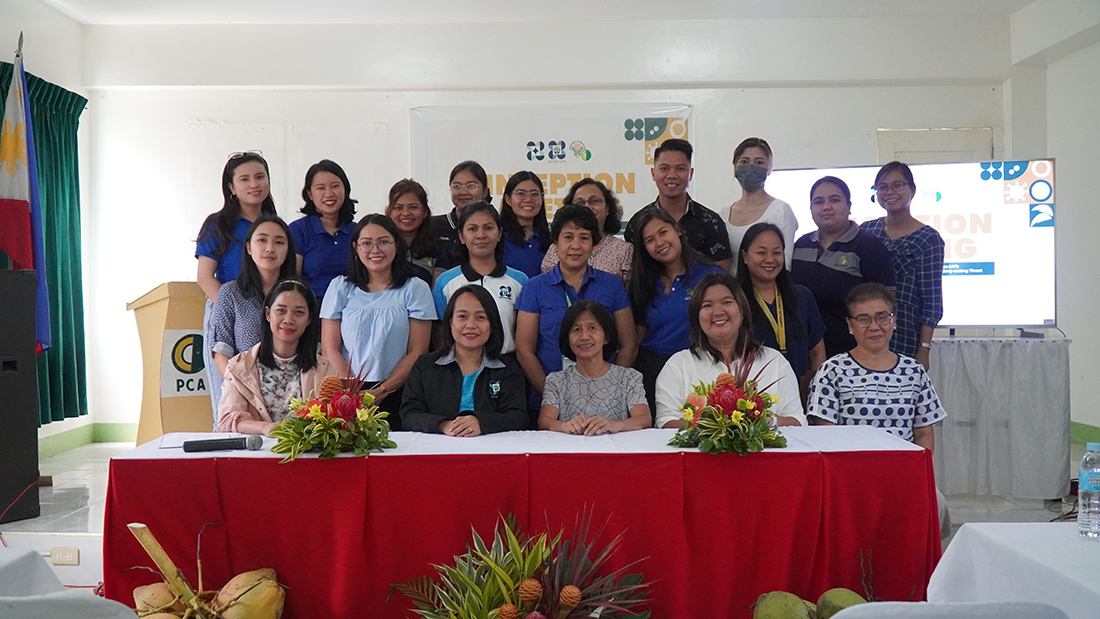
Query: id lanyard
[
  {"x": 566, "y": 362},
  {"x": 777, "y": 321}
]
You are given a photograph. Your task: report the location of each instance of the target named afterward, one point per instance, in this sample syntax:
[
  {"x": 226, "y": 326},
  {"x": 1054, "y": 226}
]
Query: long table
[{"x": 839, "y": 507}]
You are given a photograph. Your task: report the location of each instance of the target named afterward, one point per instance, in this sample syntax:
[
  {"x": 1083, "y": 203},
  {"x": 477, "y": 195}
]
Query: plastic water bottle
[{"x": 1088, "y": 493}]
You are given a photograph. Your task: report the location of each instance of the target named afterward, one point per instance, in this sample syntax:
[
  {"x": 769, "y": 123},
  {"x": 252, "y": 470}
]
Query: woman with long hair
[
  {"x": 916, "y": 251},
  {"x": 246, "y": 194},
  {"x": 480, "y": 253},
  {"x": 612, "y": 254},
  {"x": 321, "y": 238},
  {"x": 408, "y": 208},
  {"x": 722, "y": 341},
  {"x": 752, "y": 164},
  {"x": 526, "y": 231},
  {"x": 784, "y": 314},
  {"x": 236, "y": 324},
  {"x": 467, "y": 388},
  {"x": 376, "y": 320},
  {"x": 666, "y": 270},
  {"x": 260, "y": 381}
]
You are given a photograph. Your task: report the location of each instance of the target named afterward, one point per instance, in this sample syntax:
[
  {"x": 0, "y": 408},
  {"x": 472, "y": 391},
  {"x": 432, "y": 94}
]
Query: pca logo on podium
[{"x": 182, "y": 369}]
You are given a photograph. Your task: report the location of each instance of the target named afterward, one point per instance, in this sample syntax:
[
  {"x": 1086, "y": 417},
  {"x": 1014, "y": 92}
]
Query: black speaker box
[{"x": 18, "y": 398}]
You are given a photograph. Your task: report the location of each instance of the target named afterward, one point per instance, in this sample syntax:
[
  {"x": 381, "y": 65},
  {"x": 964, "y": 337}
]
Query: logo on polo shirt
[{"x": 506, "y": 292}]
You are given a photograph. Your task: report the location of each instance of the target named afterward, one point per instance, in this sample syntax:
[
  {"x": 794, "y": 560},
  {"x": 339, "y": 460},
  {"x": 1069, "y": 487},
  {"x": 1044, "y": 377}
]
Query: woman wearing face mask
[
  {"x": 916, "y": 251},
  {"x": 752, "y": 163}
]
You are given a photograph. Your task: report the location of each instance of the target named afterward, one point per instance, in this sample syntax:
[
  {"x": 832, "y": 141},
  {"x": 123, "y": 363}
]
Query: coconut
[
  {"x": 157, "y": 596},
  {"x": 780, "y": 605},
  {"x": 251, "y": 595},
  {"x": 835, "y": 600}
]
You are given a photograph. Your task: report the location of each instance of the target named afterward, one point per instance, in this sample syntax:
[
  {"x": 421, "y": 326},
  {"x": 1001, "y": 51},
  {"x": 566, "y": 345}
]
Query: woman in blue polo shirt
[
  {"x": 323, "y": 236},
  {"x": 784, "y": 314},
  {"x": 665, "y": 271},
  {"x": 246, "y": 190},
  {"x": 545, "y": 298},
  {"x": 526, "y": 233},
  {"x": 479, "y": 237}
]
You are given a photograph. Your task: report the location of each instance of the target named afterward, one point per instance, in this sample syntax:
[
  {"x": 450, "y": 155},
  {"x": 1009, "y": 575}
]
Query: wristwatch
[{"x": 927, "y": 345}]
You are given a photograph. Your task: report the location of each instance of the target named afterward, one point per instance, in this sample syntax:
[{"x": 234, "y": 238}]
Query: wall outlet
[{"x": 65, "y": 556}]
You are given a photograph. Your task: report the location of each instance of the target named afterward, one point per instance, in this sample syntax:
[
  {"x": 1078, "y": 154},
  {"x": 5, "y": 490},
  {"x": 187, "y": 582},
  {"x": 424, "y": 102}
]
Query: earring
[{"x": 233, "y": 197}]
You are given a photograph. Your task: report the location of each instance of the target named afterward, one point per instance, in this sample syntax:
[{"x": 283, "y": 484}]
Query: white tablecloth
[
  {"x": 1038, "y": 562},
  {"x": 25, "y": 572},
  {"x": 1008, "y": 427},
  {"x": 799, "y": 439}
]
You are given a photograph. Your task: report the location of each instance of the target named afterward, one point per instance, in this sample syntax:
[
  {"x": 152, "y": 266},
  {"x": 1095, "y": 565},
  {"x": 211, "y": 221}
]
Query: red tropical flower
[
  {"x": 343, "y": 406},
  {"x": 725, "y": 399}
]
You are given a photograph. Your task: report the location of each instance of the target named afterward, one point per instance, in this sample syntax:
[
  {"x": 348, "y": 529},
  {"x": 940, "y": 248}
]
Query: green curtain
[{"x": 55, "y": 116}]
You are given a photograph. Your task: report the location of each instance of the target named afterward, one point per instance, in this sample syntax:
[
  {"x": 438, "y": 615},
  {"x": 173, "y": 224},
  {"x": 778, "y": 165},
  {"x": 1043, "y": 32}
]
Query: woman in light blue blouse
[
  {"x": 322, "y": 237},
  {"x": 376, "y": 320}
]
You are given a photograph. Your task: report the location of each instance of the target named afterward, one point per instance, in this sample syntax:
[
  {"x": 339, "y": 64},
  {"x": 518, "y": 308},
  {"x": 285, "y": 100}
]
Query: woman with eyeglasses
[
  {"x": 246, "y": 192},
  {"x": 612, "y": 255},
  {"x": 321, "y": 238},
  {"x": 752, "y": 164},
  {"x": 468, "y": 183},
  {"x": 526, "y": 231},
  {"x": 837, "y": 257},
  {"x": 916, "y": 251},
  {"x": 408, "y": 208},
  {"x": 376, "y": 321}
]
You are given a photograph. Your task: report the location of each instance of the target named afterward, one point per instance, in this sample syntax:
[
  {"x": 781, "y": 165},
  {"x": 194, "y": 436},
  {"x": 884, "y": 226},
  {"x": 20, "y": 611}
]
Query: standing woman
[
  {"x": 784, "y": 315},
  {"x": 468, "y": 183},
  {"x": 916, "y": 251},
  {"x": 526, "y": 231},
  {"x": 260, "y": 381},
  {"x": 545, "y": 298},
  {"x": 246, "y": 191},
  {"x": 835, "y": 258},
  {"x": 237, "y": 321},
  {"x": 752, "y": 164},
  {"x": 321, "y": 238},
  {"x": 480, "y": 252},
  {"x": 612, "y": 254},
  {"x": 408, "y": 208},
  {"x": 721, "y": 339},
  {"x": 666, "y": 270},
  {"x": 378, "y": 317}
]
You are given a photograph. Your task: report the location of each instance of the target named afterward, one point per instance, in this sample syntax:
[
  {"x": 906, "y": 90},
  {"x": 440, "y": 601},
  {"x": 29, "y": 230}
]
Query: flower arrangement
[
  {"x": 338, "y": 420},
  {"x": 530, "y": 577},
  {"x": 732, "y": 414}
]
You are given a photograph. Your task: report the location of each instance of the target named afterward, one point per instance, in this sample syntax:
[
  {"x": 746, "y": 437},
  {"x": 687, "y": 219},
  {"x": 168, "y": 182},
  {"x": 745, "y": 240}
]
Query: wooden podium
[{"x": 175, "y": 394}]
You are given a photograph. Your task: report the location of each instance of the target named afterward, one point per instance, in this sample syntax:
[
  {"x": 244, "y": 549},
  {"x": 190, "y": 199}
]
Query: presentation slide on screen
[{"x": 997, "y": 223}]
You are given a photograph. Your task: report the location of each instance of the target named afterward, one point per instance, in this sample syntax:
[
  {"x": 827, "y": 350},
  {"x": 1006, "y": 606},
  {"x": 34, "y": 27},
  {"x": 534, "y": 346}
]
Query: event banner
[
  {"x": 613, "y": 143},
  {"x": 997, "y": 223},
  {"x": 182, "y": 371}
]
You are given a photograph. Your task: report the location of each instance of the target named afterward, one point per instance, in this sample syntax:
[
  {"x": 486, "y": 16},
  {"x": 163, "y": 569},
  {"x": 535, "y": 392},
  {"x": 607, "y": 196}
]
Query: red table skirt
[{"x": 716, "y": 531}]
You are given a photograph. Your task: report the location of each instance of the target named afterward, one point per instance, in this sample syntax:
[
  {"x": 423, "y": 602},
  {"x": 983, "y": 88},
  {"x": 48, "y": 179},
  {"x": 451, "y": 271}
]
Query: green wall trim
[
  {"x": 1084, "y": 433},
  {"x": 92, "y": 433}
]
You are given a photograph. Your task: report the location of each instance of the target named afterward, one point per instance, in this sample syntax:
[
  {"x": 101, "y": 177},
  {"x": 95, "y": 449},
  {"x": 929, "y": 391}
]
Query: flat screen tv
[{"x": 996, "y": 220}]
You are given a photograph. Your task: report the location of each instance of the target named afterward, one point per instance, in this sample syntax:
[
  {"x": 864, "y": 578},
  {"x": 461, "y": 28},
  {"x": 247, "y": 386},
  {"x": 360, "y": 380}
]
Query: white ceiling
[{"x": 125, "y": 12}]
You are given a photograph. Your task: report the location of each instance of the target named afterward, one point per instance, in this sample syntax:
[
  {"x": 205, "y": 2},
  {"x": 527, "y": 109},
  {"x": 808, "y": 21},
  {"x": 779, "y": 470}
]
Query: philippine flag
[{"x": 20, "y": 207}]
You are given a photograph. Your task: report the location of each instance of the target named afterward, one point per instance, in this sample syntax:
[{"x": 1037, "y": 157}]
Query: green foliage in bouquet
[
  {"x": 339, "y": 420},
  {"x": 732, "y": 414},
  {"x": 484, "y": 578}
]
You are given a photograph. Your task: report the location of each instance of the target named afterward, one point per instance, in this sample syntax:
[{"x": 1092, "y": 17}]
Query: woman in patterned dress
[{"x": 612, "y": 254}]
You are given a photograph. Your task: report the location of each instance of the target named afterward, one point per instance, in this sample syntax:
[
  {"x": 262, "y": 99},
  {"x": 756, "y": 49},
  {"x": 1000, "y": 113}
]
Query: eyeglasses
[
  {"x": 456, "y": 187},
  {"x": 593, "y": 201},
  {"x": 882, "y": 318},
  {"x": 239, "y": 154},
  {"x": 897, "y": 186},
  {"x": 383, "y": 245},
  {"x": 523, "y": 193}
]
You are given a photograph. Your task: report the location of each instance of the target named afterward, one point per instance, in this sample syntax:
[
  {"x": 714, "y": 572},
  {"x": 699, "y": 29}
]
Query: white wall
[
  {"x": 1073, "y": 90},
  {"x": 167, "y": 103}
]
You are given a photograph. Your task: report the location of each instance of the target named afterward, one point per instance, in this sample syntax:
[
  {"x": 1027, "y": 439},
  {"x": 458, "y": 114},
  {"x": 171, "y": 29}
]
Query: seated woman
[
  {"x": 592, "y": 396},
  {"x": 236, "y": 324},
  {"x": 260, "y": 382},
  {"x": 721, "y": 340},
  {"x": 466, "y": 388},
  {"x": 784, "y": 314},
  {"x": 870, "y": 385}
]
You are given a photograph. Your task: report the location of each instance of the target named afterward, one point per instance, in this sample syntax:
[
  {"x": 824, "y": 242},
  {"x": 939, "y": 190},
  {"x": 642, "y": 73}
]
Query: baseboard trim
[
  {"x": 1084, "y": 433},
  {"x": 91, "y": 433}
]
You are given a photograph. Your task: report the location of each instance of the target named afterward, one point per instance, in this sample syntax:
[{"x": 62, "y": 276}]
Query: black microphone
[{"x": 252, "y": 442}]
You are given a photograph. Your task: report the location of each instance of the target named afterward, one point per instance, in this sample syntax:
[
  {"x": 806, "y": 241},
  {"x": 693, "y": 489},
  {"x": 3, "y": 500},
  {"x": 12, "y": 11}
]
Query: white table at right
[{"x": 1038, "y": 562}]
